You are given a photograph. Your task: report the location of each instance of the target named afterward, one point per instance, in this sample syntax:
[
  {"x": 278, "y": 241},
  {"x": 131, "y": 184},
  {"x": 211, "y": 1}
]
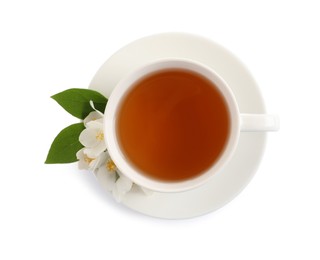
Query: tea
[{"x": 173, "y": 125}]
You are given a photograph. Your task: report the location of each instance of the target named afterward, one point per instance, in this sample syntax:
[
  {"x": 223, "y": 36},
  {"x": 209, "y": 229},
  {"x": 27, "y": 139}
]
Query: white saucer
[{"x": 236, "y": 175}]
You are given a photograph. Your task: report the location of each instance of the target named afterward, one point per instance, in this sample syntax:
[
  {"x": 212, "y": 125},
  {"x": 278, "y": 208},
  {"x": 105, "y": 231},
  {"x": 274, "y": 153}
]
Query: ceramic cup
[{"x": 238, "y": 123}]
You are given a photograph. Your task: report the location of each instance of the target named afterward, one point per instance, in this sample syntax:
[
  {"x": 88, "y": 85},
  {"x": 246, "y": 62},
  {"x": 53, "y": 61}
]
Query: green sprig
[{"x": 77, "y": 102}]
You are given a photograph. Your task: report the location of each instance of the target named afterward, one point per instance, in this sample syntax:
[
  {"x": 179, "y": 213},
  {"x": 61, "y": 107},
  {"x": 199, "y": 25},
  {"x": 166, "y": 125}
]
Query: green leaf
[
  {"x": 76, "y": 101},
  {"x": 66, "y": 145}
]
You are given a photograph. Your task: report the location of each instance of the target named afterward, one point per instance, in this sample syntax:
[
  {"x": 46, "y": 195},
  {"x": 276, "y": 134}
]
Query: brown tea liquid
[{"x": 173, "y": 125}]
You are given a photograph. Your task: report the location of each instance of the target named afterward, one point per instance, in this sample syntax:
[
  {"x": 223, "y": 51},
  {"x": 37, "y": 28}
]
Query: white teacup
[{"x": 238, "y": 122}]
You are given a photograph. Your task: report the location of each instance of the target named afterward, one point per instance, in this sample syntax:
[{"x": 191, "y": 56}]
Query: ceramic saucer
[{"x": 226, "y": 185}]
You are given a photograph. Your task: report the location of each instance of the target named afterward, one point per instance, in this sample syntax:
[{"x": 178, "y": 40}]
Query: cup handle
[{"x": 258, "y": 122}]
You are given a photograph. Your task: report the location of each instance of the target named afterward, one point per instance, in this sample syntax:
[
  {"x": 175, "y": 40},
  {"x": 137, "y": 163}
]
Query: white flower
[
  {"x": 92, "y": 138},
  {"x": 107, "y": 175},
  {"x": 88, "y": 163},
  {"x": 122, "y": 187},
  {"x": 93, "y": 116},
  {"x": 112, "y": 180}
]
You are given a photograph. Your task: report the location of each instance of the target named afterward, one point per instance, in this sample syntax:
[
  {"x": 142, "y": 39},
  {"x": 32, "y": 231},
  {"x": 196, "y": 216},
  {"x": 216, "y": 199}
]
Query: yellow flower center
[
  {"x": 100, "y": 136},
  {"x": 87, "y": 159},
  {"x": 111, "y": 167}
]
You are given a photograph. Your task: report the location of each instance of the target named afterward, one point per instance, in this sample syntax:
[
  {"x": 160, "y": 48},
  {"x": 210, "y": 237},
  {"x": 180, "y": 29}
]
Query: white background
[{"x": 58, "y": 212}]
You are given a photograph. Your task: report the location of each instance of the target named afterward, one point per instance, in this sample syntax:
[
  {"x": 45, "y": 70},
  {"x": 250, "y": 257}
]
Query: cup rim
[{"x": 112, "y": 109}]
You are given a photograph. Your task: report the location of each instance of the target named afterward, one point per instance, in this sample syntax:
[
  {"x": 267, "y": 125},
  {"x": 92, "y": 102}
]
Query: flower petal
[
  {"x": 97, "y": 150},
  {"x": 124, "y": 184},
  {"x": 92, "y": 105},
  {"x": 100, "y": 160},
  {"x": 100, "y": 121},
  {"x": 80, "y": 154},
  {"x": 107, "y": 179},
  {"x": 96, "y": 124},
  {"x": 84, "y": 161},
  {"x": 88, "y": 137},
  {"x": 94, "y": 115}
]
